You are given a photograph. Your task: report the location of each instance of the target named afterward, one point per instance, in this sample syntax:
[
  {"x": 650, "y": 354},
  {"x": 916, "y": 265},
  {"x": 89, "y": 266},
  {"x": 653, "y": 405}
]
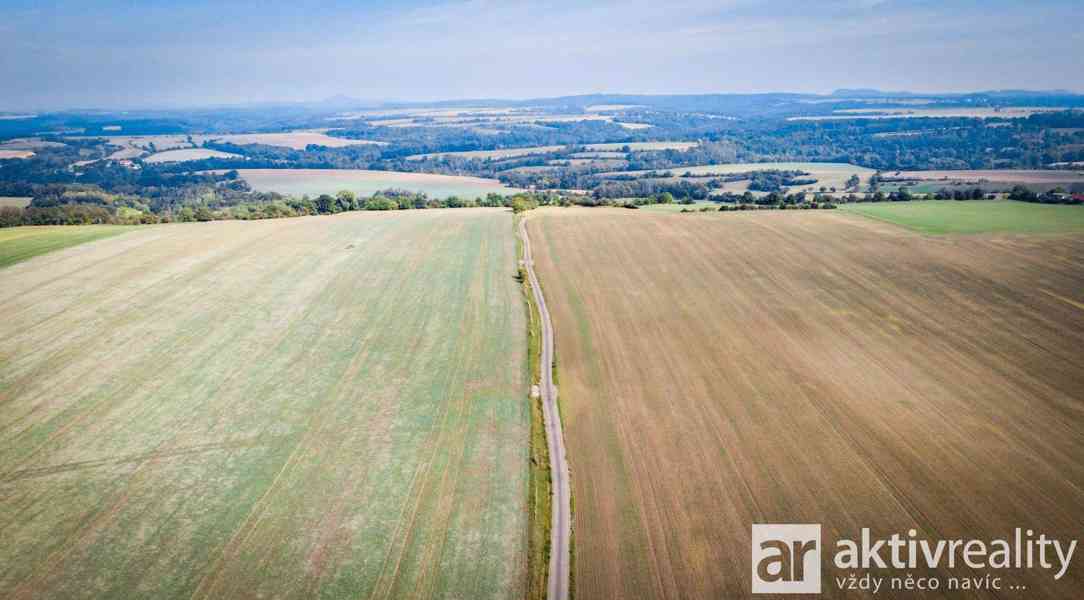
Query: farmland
[
  {"x": 806, "y": 367},
  {"x": 326, "y": 181},
  {"x": 10, "y": 154},
  {"x": 1009, "y": 112},
  {"x": 15, "y": 201},
  {"x": 826, "y": 174},
  {"x": 976, "y": 216},
  {"x": 529, "y": 150},
  {"x": 186, "y": 154},
  {"x": 1001, "y": 176},
  {"x": 491, "y": 154},
  {"x": 298, "y": 140},
  {"x": 21, "y": 243},
  {"x": 320, "y": 407}
]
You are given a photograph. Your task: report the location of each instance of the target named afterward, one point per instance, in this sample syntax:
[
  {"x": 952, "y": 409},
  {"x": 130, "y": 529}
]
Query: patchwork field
[
  {"x": 298, "y": 182},
  {"x": 976, "y": 216},
  {"x": 808, "y": 367},
  {"x": 324, "y": 407},
  {"x": 21, "y": 243},
  {"x": 135, "y": 145}
]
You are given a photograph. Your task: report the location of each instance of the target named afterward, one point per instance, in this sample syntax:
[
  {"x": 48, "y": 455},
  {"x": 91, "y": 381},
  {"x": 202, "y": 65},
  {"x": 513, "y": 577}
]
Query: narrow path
[{"x": 560, "y": 544}]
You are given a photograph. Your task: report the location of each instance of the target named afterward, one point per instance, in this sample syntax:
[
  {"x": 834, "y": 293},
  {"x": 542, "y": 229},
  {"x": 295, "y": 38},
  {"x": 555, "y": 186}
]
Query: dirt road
[{"x": 560, "y": 556}]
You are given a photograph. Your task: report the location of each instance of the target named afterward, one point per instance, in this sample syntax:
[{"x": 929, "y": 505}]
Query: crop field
[
  {"x": 323, "y": 407},
  {"x": 642, "y": 146},
  {"x": 608, "y": 148},
  {"x": 491, "y": 154},
  {"x": 826, "y": 174},
  {"x": 677, "y": 207},
  {"x": 976, "y": 216},
  {"x": 1009, "y": 112},
  {"x": 21, "y": 243},
  {"x": 721, "y": 370},
  {"x": 9, "y": 154},
  {"x": 298, "y": 140},
  {"x": 135, "y": 145},
  {"x": 15, "y": 201},
  {"x": 186, "y": 154},
  {"x": 1003, "y": 176},
  {"x": 298, "y": 182}
]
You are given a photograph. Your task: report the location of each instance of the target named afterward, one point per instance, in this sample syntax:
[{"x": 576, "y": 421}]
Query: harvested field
[
  {"x": 8, "y": 154},
  {"x": 1012, "y": 112},
  {"x": 976, "y": 216},
  {"x": 157, "y": 143},
  {"x": 642, "y": 146},
  {"x": 16, "y": 201},
  {"x": 726, "y": 369},
  {"x": 298, "y": 140},
  {"x": 29, "y": 144},
  {"x": 1008, "y": 176},
  {"x": 323, "y": 407},
  {"x": 187, "y": 154},
  {"x": 491, "y": 154},
  {"x": 366, "y": 183}
]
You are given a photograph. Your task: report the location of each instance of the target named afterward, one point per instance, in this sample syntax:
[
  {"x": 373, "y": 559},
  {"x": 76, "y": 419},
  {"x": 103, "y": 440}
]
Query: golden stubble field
[{"x": 720, "y": 370}]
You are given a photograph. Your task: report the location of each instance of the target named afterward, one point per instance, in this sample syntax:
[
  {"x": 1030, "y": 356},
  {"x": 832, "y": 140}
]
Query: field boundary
[
  {"x": 560, "y": 554},
  {"x": 539, "y": 496}
]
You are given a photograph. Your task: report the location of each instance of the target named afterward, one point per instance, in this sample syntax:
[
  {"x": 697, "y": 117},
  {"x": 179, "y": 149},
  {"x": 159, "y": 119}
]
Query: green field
[
  {"x": 20, "y": 243},
  {"x": 827, "y": 174},
  {"x": 976, "y": 216},
  {"x": 322, "y": 407},
  {"x": 676, "y": 208},
  {"x": 314, "y": 182}
]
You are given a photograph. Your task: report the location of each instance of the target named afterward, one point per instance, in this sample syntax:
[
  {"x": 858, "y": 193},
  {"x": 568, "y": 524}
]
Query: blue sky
[{"x": 117, "y": 54}]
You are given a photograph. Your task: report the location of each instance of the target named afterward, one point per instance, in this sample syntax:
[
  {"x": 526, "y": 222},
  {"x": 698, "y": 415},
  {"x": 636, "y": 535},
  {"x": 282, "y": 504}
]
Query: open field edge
[{"x": 540, "y": 491}]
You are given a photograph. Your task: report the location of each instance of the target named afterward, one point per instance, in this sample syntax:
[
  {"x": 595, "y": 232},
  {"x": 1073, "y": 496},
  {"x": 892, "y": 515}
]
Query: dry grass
[
  {"x": 719, "y": 370},
  {"x": 298, "y": 408}
]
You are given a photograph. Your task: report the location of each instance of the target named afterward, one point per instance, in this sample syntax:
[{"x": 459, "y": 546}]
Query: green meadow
[{"x": 975, "y": 216}]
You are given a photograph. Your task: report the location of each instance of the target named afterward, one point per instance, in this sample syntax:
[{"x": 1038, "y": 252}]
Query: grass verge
[{"x": 540, "y": 493}]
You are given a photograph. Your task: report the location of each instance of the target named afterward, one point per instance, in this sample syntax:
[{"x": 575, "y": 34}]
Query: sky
[{"x": 172, "y": 53}]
